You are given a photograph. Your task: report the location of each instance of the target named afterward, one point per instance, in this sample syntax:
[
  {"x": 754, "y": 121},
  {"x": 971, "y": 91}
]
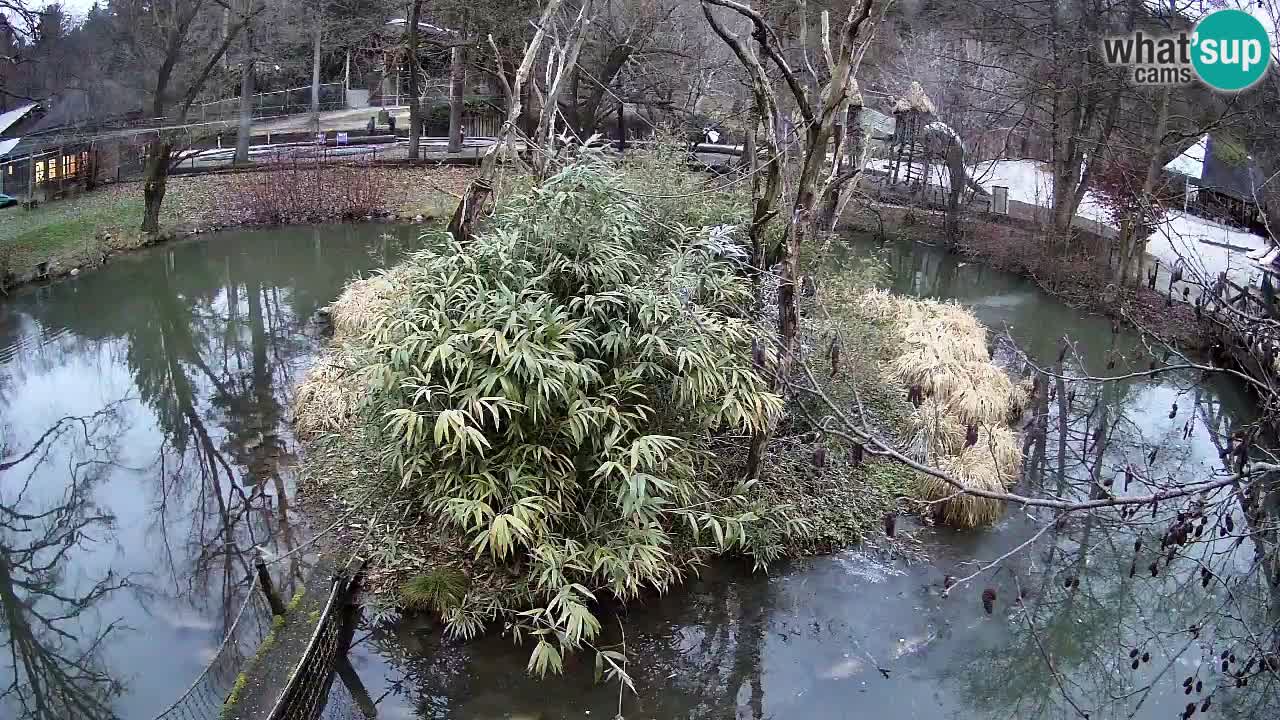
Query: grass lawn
[{"x": 65, "y": 230}]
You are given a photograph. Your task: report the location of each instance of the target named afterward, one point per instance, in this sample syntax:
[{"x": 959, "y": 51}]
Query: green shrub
[
  {"x": 439, "y": 590},
  {"x": 552, "y": 388}
]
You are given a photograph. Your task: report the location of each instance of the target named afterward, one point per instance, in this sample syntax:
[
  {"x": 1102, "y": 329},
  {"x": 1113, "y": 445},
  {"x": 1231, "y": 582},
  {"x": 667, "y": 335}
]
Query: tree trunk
[
  {"x": 476, "y": 199},
  {"x": 572, "y": 110},
  {"x": 1132, "y": 243},
  {"x": 749, "y": 160},
  {"x": 315, "y": 75},
  {"x": 1124, "y": 255},
  {"x": 415, "y": 106},
  {"x": 457, "y": 96},
  {"x": 1065, "y": 177},
  {"x": 245, "y": 129},
  {"x": 957, "y": 177},
  {"x": 851, "y": 143},
  {"x": 613, "y": 64},
  {"x": 153, "y": 186}
]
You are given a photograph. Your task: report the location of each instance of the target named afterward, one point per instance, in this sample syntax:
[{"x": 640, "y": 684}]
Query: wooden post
[
  {"x": 622, "y": 129},
  {"x": 268, "y": 589}
]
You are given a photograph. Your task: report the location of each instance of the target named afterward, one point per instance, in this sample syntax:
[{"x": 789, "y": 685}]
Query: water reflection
[
  {"x": 855, "y": 635},
  {"x": 52, "y": 634},
  {"x": 204, "y": 341}
]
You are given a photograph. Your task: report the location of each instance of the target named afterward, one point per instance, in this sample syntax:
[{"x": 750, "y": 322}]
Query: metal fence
[
  {"x": 307, "y": 694},
  {"x": 204, "y": 698},
  {"x": 290, "y": 101}
]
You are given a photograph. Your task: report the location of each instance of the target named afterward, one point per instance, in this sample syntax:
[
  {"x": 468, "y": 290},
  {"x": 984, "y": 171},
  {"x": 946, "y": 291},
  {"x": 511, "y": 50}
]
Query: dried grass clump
[
  {"x": 976, "y": 469},
  {"x": 1001, "y": 445},
  {"x": 937, "y": 432},
  {"x": 363, "y": 302},
  {"x": 1021, "y": 398},
  {"x": 978, "y": 394},
  {"x": 327, "y": 399},
  {"x": 879, "y": 305},
  {"x": 944, "y": 351}
]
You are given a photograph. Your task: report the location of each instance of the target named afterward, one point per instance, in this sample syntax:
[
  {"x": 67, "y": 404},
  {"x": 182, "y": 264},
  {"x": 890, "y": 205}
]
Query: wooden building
[
  {"x": 43, "y": 159},
  {"x": 1220, "y": 182}
]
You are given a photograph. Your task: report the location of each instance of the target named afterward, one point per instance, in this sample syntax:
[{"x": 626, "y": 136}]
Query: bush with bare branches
[{"x": 308, "y": 191}]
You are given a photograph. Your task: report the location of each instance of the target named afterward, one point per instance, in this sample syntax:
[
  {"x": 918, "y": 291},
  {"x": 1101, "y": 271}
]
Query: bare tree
[
  {"x": 176, "y": 47},
  {"x": 819, "y": 114},
  {"x": 475, "y": 201},
  {"x": 562, "y": 59},
  {"x": 317, "y": 36},
  {"x": 248, "y": 63},
  {"x": 457, "y": 95},
  {"x": 411, "y": 59}
]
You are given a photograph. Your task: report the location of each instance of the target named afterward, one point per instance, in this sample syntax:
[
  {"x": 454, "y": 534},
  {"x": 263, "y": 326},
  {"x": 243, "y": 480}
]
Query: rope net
[{"x": 203, "y": 699}]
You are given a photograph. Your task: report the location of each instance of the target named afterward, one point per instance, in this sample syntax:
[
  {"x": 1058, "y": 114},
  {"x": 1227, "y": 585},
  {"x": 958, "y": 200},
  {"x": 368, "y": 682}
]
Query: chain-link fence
[{"x": 203, "y": 699}]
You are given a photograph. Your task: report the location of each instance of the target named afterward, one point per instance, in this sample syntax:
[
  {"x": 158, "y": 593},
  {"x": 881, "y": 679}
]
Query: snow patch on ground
[
  {"x": 1204, "y": 246},
  {"x": 938, "y": 174},
  {"x": 1203, "y": 243},
  {"x": 1030, "y": 182},
  {"x": 1027, "y": 180}
]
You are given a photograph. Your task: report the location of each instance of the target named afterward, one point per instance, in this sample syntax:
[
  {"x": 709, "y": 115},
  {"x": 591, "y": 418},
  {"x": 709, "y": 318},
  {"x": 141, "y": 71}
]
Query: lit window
[
  {"x": 40, "y": 172},
  {"x": 53, "y": 169}
]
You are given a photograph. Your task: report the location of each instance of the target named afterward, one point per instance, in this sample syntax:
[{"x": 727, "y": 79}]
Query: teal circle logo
[{"x": 1231, "y": 50}]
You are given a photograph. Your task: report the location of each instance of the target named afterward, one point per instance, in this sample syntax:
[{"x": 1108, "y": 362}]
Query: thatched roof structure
[{"x": 914, "y": 101}]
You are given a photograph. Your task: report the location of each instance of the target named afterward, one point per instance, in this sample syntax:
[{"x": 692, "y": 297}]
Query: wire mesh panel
[
  {"x": 348, "y": 697},
  {"x": 307, "y": 694},
  {"x": 203, "y": 699}
]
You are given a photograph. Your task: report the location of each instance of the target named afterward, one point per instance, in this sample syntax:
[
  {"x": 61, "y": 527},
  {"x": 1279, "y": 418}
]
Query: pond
[
  {"x": 860, "y": 634},
  {"x": 131, "y": 519},
  {"x": 142, "y": 423}
]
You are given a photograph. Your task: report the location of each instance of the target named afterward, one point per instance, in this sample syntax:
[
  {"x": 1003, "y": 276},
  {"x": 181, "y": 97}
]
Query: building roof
[
  {"x": 8, "y": 144},
  {"x": 1219, "y": 165},
  {"x": 1230, "y": 171},
  {"x": 1191, "y": 162},
  {"x": 876, "y": 123},
  {"x": 8, "y": 119}
]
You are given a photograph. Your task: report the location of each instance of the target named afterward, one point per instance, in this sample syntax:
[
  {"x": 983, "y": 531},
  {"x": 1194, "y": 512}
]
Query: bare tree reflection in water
[
  {"x": 1115, "y": 613},
  {"x": 50, "y": 633},
  {"x": 211, "y": 359}
]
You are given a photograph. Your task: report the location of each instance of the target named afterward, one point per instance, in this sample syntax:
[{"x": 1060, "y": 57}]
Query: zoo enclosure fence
[{"x": 290, "y": 101}]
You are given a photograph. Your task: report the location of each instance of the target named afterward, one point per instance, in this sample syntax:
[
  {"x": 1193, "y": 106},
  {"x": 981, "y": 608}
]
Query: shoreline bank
[
  {"x": 1071, "y": 280},
  {"x": 68, "y": 237}
]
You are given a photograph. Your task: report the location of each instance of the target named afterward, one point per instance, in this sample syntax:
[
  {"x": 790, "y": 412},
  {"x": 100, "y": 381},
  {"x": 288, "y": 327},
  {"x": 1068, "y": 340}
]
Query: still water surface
[
  {"x": 143, "y": 413},
  {"x": 129, "y": 523}
]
